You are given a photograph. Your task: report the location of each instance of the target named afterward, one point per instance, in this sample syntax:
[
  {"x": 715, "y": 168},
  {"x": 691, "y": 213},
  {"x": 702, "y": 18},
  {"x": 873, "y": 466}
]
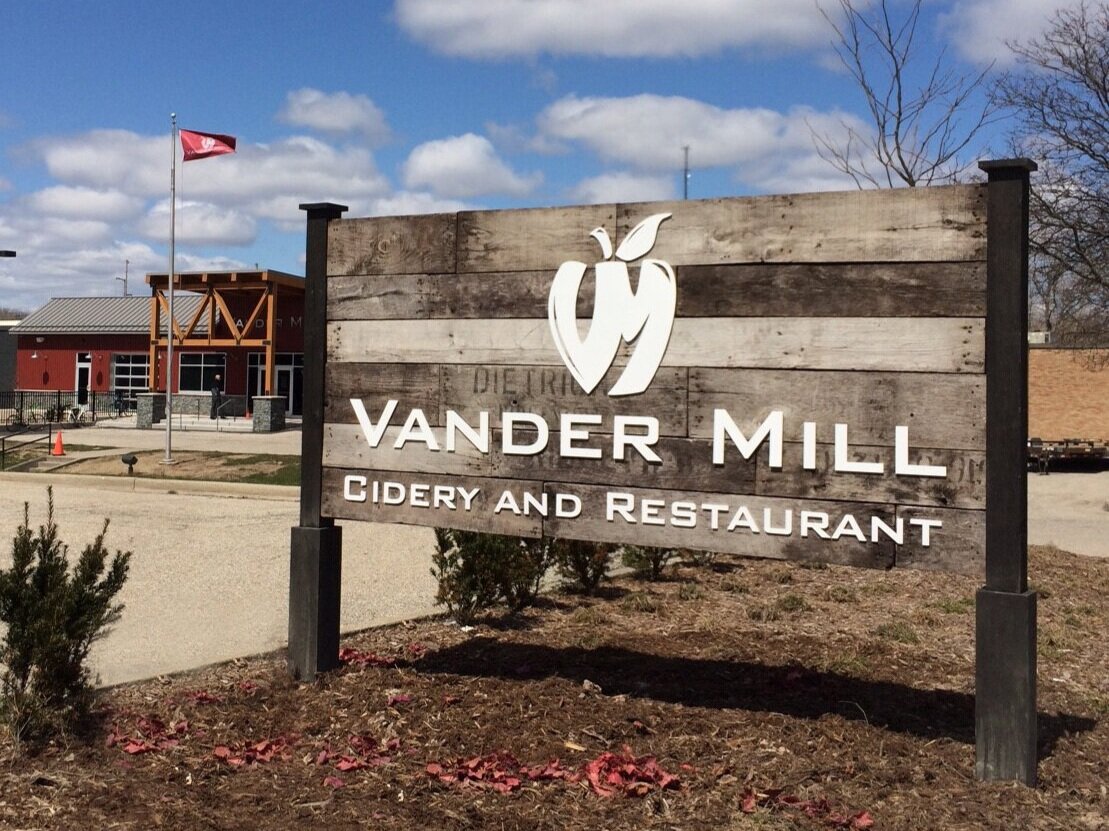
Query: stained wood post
[
  {"x": 1005, "y": 636},
  {"x": 316, "y": 550}
]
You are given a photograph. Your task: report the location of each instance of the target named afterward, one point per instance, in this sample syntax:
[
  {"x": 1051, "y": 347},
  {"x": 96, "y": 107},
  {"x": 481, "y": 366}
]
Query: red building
[{"x": 247, "y": 327}]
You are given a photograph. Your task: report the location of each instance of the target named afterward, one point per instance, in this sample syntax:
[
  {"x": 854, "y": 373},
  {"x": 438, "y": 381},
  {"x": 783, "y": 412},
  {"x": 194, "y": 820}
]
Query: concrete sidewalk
[{"x": 284, "y": 443}]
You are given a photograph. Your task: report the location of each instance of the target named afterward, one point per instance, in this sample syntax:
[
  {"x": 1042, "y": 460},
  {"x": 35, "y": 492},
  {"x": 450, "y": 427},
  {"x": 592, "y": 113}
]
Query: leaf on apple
[
  {"x": 601, "y": 235},
  {"x": 641, "y": 239}
]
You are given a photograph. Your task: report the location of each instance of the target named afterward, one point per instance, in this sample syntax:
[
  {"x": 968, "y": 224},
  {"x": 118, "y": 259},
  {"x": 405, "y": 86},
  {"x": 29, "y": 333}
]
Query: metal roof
[{"x": 102, "y": 315}]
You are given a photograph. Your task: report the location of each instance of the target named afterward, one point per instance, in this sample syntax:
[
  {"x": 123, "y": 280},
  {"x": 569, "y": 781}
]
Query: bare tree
[
  {"x": 1060, "y": 96},
  {"x": 924, "y": 115}
]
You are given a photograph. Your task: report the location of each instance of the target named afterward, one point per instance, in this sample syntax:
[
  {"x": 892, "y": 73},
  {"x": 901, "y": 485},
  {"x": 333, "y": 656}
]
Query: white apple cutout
[{"x": 619, "y": 314}]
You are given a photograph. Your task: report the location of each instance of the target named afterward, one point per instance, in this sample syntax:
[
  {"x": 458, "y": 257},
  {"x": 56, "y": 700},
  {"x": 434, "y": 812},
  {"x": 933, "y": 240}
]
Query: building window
[
  {"x": 130, "y": 374},
  {"x": 199, "y": 370}
]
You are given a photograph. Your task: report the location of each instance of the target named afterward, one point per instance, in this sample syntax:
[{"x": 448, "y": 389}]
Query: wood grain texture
[
  {"x": 392, "y": 245},
  {"x": 759, "y": 290},
  {"x": 686, "y": 465},
  {"x": 479, "y": 518},
  {"x": 959, "y": 546},
  {"x": 941, "y": 411},
  {"x": 526, "y": 240},
  {"x": 551, "y": 390},
  {"x": 898, "y": 225},
  {"x": 905, "y": 344},
  {"x": 833, "y": 290},
  {"x": 845, "y": 551},
  {"x": 412, "y": 385},
  {"x": 963, "y": 487}
]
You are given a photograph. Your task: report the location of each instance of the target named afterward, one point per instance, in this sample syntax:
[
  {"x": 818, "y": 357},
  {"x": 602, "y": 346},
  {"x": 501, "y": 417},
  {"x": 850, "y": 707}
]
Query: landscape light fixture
[{"x": 130, "y": 459}]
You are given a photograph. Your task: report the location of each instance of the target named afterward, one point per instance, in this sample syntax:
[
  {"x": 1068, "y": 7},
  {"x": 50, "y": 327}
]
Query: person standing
[{"x": 217, "y": 397}]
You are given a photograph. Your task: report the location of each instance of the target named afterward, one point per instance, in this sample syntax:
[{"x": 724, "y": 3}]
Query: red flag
[{"x": 202, "y": 145}]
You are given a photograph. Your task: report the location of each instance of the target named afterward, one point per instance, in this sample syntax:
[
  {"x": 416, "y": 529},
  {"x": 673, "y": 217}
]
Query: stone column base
[
  {"x": 149, "y": 409},
  {"x": 269, "y": 413}
]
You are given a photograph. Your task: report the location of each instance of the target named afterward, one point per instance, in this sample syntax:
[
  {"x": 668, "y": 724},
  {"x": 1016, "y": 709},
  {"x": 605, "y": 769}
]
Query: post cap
[
  {"x": 331, "y": 210},
  {"x": 995, "y": 165}
]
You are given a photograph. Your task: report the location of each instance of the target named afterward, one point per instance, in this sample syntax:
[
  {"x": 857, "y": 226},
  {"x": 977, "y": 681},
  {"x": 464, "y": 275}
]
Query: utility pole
[
  {"x": 123, "y": 279},
  {"x": 685, "y": 173}
]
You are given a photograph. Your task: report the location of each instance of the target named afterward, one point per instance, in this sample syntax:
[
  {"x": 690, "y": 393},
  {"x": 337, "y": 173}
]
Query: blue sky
[{"x": 406, "y": 106}]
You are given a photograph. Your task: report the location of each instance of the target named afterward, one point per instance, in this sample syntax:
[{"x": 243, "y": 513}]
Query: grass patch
[
  {"x": 792, "y": 603},
  {"x": 954, "y": 605},
  {"x": 690, "y": 591},
  {"x": 900, "y": 632},
  {"x": 640, "y": 602},
  {"x": 842, "y": 594}
]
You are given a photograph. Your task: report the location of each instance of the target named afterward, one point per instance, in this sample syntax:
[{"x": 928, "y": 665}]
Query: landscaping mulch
[{"x": 744, "y": 694}]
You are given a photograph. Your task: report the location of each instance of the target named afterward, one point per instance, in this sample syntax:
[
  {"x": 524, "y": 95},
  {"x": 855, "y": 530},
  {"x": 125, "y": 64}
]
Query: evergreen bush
[
  {"x": 646, "y": 561},
  {"x": 53, "y": 616},
  {"x": 478, "y": 571},
  {"x": 581, "y": 564}
]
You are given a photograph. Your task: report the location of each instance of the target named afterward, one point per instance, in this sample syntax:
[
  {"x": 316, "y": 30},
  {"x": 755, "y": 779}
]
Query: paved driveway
[{"x": 210, "y": 573}]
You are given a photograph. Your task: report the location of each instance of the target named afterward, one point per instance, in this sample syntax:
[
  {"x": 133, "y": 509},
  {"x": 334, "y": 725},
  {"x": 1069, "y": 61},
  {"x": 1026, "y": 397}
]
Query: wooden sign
[
  {"x": 828, "y": 324},
  {"x": 834, "y": 377}
]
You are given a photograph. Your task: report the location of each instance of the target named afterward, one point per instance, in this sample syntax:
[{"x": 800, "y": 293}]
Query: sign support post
[
  {"x": 316, "y": 551},
  {"x": 1005, "y": 636}
]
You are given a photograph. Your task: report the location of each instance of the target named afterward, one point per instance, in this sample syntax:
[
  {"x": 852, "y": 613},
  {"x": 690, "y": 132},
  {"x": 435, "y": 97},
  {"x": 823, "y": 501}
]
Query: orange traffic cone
[{"x": 59, "y": 448}]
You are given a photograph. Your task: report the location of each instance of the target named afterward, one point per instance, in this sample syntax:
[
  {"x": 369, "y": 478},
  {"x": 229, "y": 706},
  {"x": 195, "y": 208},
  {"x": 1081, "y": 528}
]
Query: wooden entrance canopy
[{"x": 213, "y": 323}]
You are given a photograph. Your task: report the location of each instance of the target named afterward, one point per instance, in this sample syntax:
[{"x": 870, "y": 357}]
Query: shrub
[
  {"x": 581, "y": 564},
  {"x": 478, "y": 571},
  {"x": 699, "y": 558},
  {"x": 647, "y": 562},
  {"x": 53, "y": 617}
]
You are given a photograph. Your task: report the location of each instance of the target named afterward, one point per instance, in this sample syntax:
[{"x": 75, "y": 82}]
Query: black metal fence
[{"x": 27, "y": 408}]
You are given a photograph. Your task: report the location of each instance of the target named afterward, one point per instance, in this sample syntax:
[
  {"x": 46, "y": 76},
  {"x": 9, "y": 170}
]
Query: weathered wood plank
[
  {"x": 686, "y": 464},
  {"x": 941, "y": 411},
  {"x": 412, "y": 385},
  {"x": 848, "y": 550},
  {"x": 378, "y": 296},
  {"x": 345, "y": 446},
  {"x": 959, "y": 546},
  {"x": 833, "y": 290},
  {"x": 964, "y": 486},
  {"x": 790, "y": 290},
  {"x": 525, "y": 240},
  {"x": 480, "y": 517},
  {"x": 902, "y": 224},
  {"x": 903, "y": 344},
  {"x": 392, "y": 245},
  {"x": 551, "y": 391}
]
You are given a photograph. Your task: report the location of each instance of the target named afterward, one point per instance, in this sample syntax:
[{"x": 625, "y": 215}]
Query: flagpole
[{"x": 168, "y": 460}]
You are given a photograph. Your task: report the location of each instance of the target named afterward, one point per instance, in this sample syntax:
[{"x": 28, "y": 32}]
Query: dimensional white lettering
[
  {"x": 416, "y": 428},
  {"x": 724, "y": 427},
  {"x": 373, "y": 432},
  {"x": 619, "y": 503},
  {"x": 479, "y": 438},
  {"x": 926, "y": 526},
  {"x": 349, "y": 492},
  {"x": 569, "y": 433},
  {"x": 845, "y": 465},
  {"x": 511, "y": 447},
  {"x": 815, "y": 521},
  {"x": 621, "y": 439},
  {"x": 507, "y": 502},
  {"x": 901, "y": 464},
  {"x": 567, "y": 505}
]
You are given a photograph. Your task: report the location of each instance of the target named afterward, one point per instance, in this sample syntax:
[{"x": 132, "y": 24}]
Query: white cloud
[
  {"x": 464, "y": 166},
  {"x": 648, "y": 132},
  {"x": 85, "y": 203},
  {"x": 621, "y": 186},
  {"x": 403, "y": 203},
  {"x": 199, "y": 223},
  {"x": 981, "y": 28},
  {"x": 616, "y": 28},
  {"x": 335, "y": 112}
]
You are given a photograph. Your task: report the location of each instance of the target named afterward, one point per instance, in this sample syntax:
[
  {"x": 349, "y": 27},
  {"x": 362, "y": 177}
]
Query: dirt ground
[
  {"x": 194, "y": 464},
  {"x": 745, "y": 695}
]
